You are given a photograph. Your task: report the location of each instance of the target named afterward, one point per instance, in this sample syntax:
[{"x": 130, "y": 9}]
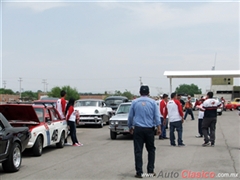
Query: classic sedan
[
  {"x": 43, "y": 121},
  {"x": 93, "y": 111},
  {"x": 13, "y": 141},
  {"x": 118, "y": 123}
]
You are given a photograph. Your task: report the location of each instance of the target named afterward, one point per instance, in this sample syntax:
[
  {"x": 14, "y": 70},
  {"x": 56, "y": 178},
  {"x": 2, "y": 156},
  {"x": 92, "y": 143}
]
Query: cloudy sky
[{"x": 106, "y": 46}]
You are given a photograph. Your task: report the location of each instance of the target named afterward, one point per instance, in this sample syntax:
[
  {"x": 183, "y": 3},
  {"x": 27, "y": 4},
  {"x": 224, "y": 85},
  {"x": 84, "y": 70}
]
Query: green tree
[
  {"x": 126, "y": 93},
  {"x": 29, "y": 95},
  {"x": 188, "y": 89},
  {"x": 6, "y": 91},
  {"x": 71, "y": 92}
]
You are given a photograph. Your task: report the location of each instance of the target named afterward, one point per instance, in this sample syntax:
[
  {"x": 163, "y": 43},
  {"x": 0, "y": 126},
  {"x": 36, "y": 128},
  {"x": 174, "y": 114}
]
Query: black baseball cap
[{"x": 144, "y": 90}]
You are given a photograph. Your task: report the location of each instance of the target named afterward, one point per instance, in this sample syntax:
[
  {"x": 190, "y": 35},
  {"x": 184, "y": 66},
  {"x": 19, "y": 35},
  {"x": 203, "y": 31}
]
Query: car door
[
  {"x": 3, "y": 139},
  {"x": 58, "y": 124},
  {"x": 51, "y": 127}
]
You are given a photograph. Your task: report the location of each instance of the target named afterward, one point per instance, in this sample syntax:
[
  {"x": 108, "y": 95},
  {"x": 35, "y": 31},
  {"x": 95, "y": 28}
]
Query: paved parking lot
[{"x": 103, "y": 158}]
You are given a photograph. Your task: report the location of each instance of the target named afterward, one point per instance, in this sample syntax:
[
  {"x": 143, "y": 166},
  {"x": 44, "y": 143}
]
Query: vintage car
[
  {"x": 93, "y": 112},
  {"x": 118, "y": 123},
  {"x": 43, "y": 121},
  {"x": 236, "y": 103},
  {"x": 115, "y": 101},
  {"x": 13, "y": 141}
]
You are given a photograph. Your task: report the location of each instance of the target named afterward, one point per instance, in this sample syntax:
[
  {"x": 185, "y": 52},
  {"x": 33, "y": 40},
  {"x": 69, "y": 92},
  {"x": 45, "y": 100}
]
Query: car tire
[
  {"x": 113, "y": 135},
  {"x": 101, "y": 124},
  {"x": 220, "y": 113},
  {"x": 38, "y": 146},
  {"x": 61, "y": 142},
  {"x": 13, "y": 163}
]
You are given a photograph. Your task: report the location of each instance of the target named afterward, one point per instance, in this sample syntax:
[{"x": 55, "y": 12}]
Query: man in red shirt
[
  {"x": 162, "y": 107},
  {"x": 61, "y": 104}
]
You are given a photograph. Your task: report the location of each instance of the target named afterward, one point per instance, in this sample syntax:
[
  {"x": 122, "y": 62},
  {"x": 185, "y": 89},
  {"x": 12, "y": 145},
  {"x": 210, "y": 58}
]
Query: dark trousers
[
  {"x": 188, "y": 111},
  {"x": 200, "y": 127},
  {"x": 163, "y": 129},
  {"x": 140, "y": 136},
  {"x": 206, "y": 124},
  {"x": 73, "y": 135},
  {"x": 178, "y": 126}
]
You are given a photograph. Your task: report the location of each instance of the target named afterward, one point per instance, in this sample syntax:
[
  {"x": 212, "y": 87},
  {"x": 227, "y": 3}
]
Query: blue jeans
[
  {"x": 188, "y": 111},
  {"x": 163, "y": 129},
  {"x": 178, "y": 126},
  {"x": 73, "y": 135}
]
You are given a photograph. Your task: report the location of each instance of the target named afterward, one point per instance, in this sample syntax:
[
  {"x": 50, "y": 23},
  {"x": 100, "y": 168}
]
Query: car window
[
  {"x": 86, "y": 103},
  {"x": 123, "y": 109},
  {"x": 53, "y": 114},
  {"x": 113, "y": 102},
  {"x": 39, "y": 112}
]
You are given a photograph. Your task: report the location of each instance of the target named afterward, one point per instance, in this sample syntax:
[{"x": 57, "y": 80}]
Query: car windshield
[
  {"x": 113, "y": 102},
  {"x": 86, "y": 103},
  {"x": 123, "y": 109},
  {"x": 39, "y": 112},
  {"x": 193, "y": 99}
]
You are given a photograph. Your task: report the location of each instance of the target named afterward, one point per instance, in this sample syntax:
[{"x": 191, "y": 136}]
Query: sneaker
[
  {"x": 80, "y": 144},
  {"x": 206, "y": 144},
  {"x": 160, "y": 138},
  {"x": 212, "y": 144},
  {"x": 76, "y": 144},
  {"x": 181, "y": 145},
  {"x": 173, "y": 144},
  {"x": 165, "y": 138},
  {"x": 138, "y": 176},
  {"x": 198, "y": 136}
]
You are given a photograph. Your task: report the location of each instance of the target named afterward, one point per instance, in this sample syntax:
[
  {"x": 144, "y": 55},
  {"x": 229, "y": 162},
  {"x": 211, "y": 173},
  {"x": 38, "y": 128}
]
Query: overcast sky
[{"x": 107, "y": 46}]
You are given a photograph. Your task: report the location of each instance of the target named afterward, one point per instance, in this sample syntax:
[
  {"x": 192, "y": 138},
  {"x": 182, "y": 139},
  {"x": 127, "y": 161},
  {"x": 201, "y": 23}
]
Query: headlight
[
  {"x": 112, "y": 122},
  {"x": 116, "y": 122},
  {"x": 96, "y": 111}
]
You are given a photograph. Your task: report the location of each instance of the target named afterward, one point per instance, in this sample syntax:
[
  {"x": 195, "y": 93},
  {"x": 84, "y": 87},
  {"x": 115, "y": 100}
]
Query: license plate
[
  {"x": 126, "y": 129},
  {"x": 81, "y": 123}
]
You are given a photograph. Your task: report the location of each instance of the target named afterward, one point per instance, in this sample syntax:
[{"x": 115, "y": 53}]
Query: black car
[
  {"x": 13, "y": 141},
  {"x": 115, "y": 101}
]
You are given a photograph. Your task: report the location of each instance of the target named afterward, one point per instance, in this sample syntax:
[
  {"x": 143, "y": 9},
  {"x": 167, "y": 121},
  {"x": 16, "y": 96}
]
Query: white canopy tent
[{"x": 201, "y": 74}]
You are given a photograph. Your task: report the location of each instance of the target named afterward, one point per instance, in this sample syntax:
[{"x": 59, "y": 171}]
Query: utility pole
[
  {"x": 4, "y": 84},
  {"x": 46, "y": 87},
  {"x": 20, "y": 81},
  {"x": 44, "y": 83},
  {"x": 140, "y": 81}
]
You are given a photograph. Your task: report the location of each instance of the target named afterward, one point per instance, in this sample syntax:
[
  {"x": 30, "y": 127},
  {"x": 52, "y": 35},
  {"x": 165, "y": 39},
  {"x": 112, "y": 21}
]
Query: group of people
[
  {"x": 145, "y": 116},
  {"x": 66, "y": 111}
]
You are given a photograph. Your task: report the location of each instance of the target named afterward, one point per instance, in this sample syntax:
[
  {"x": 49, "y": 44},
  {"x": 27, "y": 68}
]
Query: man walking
[
  {"x": 210, "y": 119},
  {"x": 188, "y": 108},
  {"x": 61, "y": 104},
  {"x": 143, "y": 117},
  {"x": 175, "y": 117}
]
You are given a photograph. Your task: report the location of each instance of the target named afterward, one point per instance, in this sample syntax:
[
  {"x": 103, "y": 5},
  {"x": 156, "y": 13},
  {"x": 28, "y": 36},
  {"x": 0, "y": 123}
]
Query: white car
[
  {"x": 43, "y": 121},
  {"x": 193, "y": 101},
  {"x": 93, "y": 111}
]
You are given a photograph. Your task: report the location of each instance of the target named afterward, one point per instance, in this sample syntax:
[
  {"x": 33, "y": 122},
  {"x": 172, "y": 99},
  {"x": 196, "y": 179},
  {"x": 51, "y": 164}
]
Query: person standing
[
  {"x": 61, "y": 107},
  {"x": 188, "y": 108},
  {"x": 181, "y": 101},
  {"x": 209, "y": 106},
  {"x": 143, "y": 117},
  {"x": 71, "y": 117},
  {"x": 200, "y": 118},
  {"x": 61, "y": 104},
  {"x": 162, "y": 106},
  {"x": 175, "y": 117}
]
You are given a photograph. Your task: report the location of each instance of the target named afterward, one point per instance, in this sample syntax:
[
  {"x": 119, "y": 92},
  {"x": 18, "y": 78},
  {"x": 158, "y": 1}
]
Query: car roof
[
  {"x": 90, "y": 100},
  {"x": 116, "y": 97},
  {"x": 126, "y": 103}
]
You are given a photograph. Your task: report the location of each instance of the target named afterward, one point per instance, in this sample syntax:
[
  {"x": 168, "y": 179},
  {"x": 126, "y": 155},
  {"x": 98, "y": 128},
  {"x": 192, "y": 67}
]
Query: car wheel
[
  {"x": 220, "y": 113},
  {"x": 13, "y": 163},
  {"x": 38, "y": 147},
  {"x": 61, "y": 143},
  {"x": 113, "y": 135}
]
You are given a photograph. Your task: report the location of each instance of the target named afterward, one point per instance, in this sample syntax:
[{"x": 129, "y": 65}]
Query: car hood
[
  {"x": 120, "y": 117},
  {"x": 19, "y": 112},
  {"x": 87, "y": 110}
]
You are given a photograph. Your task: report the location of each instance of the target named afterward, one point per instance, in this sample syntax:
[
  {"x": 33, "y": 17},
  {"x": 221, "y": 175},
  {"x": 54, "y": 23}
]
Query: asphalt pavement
[{"x": 103, "y": 158}]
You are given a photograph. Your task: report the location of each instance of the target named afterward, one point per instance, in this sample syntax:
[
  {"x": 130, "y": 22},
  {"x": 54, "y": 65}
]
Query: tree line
[{"x": 73, "y": 92}]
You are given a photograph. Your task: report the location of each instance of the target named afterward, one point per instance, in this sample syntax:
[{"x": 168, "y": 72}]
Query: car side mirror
[{"x": 47, "y": 119}]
